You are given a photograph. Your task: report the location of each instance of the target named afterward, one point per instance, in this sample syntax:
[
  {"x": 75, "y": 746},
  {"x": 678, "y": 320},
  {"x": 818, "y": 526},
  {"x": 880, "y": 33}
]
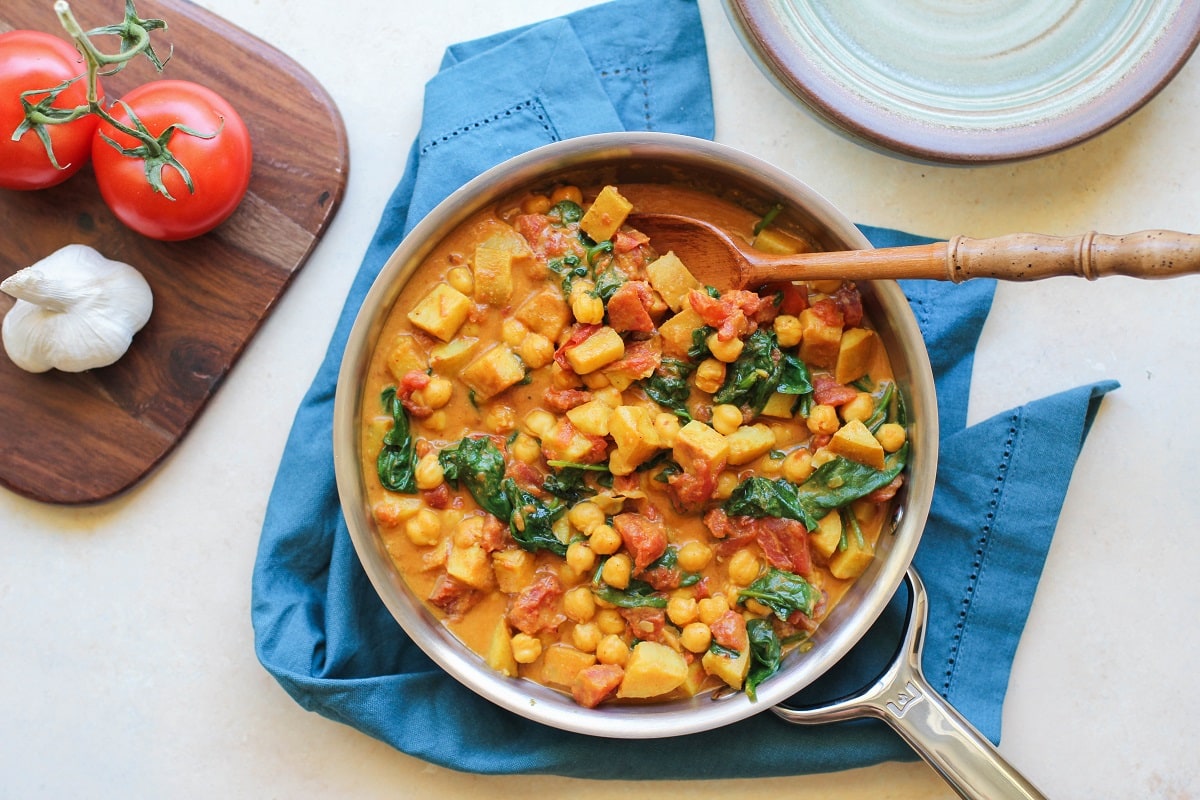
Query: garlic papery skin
[{"x": 76, "y": 310}]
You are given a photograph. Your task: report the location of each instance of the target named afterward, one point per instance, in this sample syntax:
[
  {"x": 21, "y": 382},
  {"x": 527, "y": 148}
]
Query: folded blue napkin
[{"x": 322, "y": 631}]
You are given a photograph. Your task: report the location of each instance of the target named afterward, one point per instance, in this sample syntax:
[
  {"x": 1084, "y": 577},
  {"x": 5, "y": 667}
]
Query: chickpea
[
  {"x": 604, "y": 540},
  {"x": 823, "y": 419},
  {"x": 612, "y": 650},
  {"x": 535, "y": 204},
  {"x": 695, "y": 637},
  {"x": 468, "y": 531},
  {"x": 536, "y": 351},
  {"x": 667, "y": 425},
  {"x": 579, "y": 605},
  {"x": 609, "y": 396},
  {"x": 756, "y": 608},
  {"x": 581, "y": 557},
  {"x": 526, "y": 648},
  {"x": 513, "y": 332},
  {"x": 727, "y": 351},
  {"x": 436, "y": 393},
  {"x": 610, "y": 621},
  {"x": 462, "y": 279},
  {"x": 798, "y": 466},
  {"x": 710, "y": 374},
  {"x": 525, "y": 448},
  {"x": 538, "y": 422},
  {"x": 586, "y": 636},
  {"x": 585, "y": 516},
  {"x": 428, "y": 472},
  {"x": 423, "y": 528},
  {"x": 891, "y": 436},
  {"x": 743, "y": 567},
  {"x": 571, "y": 193},
  {"x": 587, "y": 308},
  {"x": 710, "y": 609},
  {"x": 681, "y": 610},
  {"x": 437, "y": 421},
  {"x": 562, "y": 379},
  {"x": 726, "y": 482},
  {"x": 500, "y": 418},
  {"x": 769, "y": 465},
  {"x": 860, "y": 408},
  {"x": 617, "y": 571},
  {"x": 726, "y": 418},
  {"x": 693, "y": 556},
  {"x": 788, "y": 330}
]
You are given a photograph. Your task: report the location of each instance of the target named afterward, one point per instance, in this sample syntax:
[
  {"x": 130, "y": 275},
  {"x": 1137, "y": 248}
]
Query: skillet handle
[{"x": 903, "y": 699}]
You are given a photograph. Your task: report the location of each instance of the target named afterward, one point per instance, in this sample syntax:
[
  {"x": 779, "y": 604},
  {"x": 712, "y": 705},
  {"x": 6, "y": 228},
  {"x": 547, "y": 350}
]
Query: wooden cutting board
[{"x": 87, "y": 437}]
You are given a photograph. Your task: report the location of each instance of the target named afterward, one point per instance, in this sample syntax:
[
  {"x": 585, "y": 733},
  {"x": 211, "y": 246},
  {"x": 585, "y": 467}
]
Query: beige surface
[{"x": 128, "y": 667}]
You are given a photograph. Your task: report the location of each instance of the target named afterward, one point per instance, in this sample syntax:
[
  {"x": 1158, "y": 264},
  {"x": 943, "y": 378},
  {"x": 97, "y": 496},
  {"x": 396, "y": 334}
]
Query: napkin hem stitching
[
  {"x": 528, "y": 105},
  {"x": 981, "y": 547}
]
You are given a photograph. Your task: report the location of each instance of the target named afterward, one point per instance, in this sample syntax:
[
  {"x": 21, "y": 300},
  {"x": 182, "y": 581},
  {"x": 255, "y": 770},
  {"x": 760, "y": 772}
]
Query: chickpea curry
[{"x": 610, "y": 479}]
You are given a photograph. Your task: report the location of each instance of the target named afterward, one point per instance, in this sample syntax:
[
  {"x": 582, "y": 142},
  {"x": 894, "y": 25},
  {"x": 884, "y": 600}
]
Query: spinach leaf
[
  {"x": 565, "y": 212},
  {"x": 638, "y": 594},
  {"x": 766, "y": 652},
  {"x": 531, "y": 522},
  {"x": 596, "y": 250},
  {"x": 607, "y": 283},
  {"x": 668, "y": 386},
  {"x": 669, "y": 560},
  {"x": 834, "y": 484},
  {"x": 783, "y": 592},
  {"x": 768, "y": 218},
  {"x": 883, "y": 408},
  {"x": 397, "y": 460},
  {"x": 569, "y": 485},
  {"x": 794, "y": 377},
  {"x": 722, "y": 650},
  {"x": 750, "y": 380},
  {"x": 479, "y": 465},
  {"x": 569, "y": 267},
  {"x": 699, "y": 349}
]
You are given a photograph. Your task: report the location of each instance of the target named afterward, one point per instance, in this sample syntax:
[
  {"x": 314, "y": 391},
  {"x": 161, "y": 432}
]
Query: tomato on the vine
[
  {"x": 214, "y": 149},
  {"x": 31, "y": 60}
]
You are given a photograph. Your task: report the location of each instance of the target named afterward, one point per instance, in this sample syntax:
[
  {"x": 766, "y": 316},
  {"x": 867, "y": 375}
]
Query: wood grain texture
[{"x": 87, "y": 437}]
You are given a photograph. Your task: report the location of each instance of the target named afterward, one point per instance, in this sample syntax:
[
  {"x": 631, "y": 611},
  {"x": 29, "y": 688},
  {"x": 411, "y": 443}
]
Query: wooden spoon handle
[{"x": 1014, "y": 257}]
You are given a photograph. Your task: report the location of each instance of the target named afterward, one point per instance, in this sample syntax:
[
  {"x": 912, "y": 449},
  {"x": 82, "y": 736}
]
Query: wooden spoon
[{"x": 716, "y": 259}]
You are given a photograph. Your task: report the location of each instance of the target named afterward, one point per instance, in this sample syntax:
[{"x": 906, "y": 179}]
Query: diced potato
[
  {"x": 652, "y": 669},
  {"x": 850, "y": 563},
  {"x": 828, "y": 534},
  {"x": 405, "y": 356},
  {"x": 819, "y": 343},
  {"x": 637, "y": 439},
  {"x": 605, "y": 215},
  {"x": 546, "y": 313},
  {"x": 598, "y": 350},
  {"x": 494, "y": 371},
  {"x": 493, "y": 275},
  {"x": 501, "y": 236},
  {"x": 470, "y": 565},
  {"x": 451, "y": 356},
  {"x": 441, "y": 312},
  {"x": 500, "y": 654},
  {"x": 561, "y": 663},
  {"x": 731, "y": 670},
  {"x": 855, "y": 351},
  {"x": 694, "y": 681},
  {"x": 574, "y": 447},
  {"x": 773, "y": 240},
  {"x": 855, "y": 441},
  {"x": 748, "y": 443},
  {"x": 779, "y": 406},
  {"x": 672, "y": 279},
  {"x": 513, "y": 569},
  {"x": 591, "y": 417},
  {"x": 695, "y": 443},
  {"x": 677, "y": 332}
]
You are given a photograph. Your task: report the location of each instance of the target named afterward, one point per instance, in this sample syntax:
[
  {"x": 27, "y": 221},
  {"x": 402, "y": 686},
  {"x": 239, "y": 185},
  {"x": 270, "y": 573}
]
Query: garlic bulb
[{"x": 75, "y": 310}]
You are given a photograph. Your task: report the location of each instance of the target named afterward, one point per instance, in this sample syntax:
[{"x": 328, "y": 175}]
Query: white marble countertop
[{"x": 128, "y": 665}]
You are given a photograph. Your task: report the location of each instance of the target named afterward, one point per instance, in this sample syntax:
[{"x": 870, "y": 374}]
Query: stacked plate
[{"x": 969, "y": 81}]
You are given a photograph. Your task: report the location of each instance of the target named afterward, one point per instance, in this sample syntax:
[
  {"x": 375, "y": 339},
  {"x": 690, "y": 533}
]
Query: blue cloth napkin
[{"x": 322, "y": 631}]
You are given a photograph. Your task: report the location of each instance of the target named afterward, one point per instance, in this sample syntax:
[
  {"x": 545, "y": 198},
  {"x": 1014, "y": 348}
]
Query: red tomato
[
  {"x": 219, "y": 166},
  {"x": 36, "y": 60}
]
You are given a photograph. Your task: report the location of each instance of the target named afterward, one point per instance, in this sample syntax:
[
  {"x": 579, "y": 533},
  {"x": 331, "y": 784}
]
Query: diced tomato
[
  {"x": 829, "y": 392},
  {"x": 535, "y": 608},
  {"x": 885, "y": 493},
  {"x": 829, "y": 312},
  {"x": 525, "y": 476},
  {"x": 729, "y": 630},
  {"x": 452, "y": 596},
  {"x": 792, "y": 298},
  {"x": 689, "y": 492},
  {"x": 438, "y": 497},
  {"x": 560, "y": 401},
  {"x": 546, "y": 239},
  {"x": 732, "y": 314},
  {"x": 640, "y": 359},
  {"x": 784, "y": 542},
  {"x": 629, "y": 308},
  {"x": 410, "y": 383},
  {"x": 595, "y": 683},
  {"x": 495, "y": 535},
  {"x": 645, "y": 539},
  {"x": 717, "y": 522},
  {"x": 850, "y": 302},
  {"x": 645, "y": 624}
]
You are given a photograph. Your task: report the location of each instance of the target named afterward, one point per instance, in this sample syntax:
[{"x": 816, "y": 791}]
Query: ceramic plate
[{"x": 969, "y": 81}]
